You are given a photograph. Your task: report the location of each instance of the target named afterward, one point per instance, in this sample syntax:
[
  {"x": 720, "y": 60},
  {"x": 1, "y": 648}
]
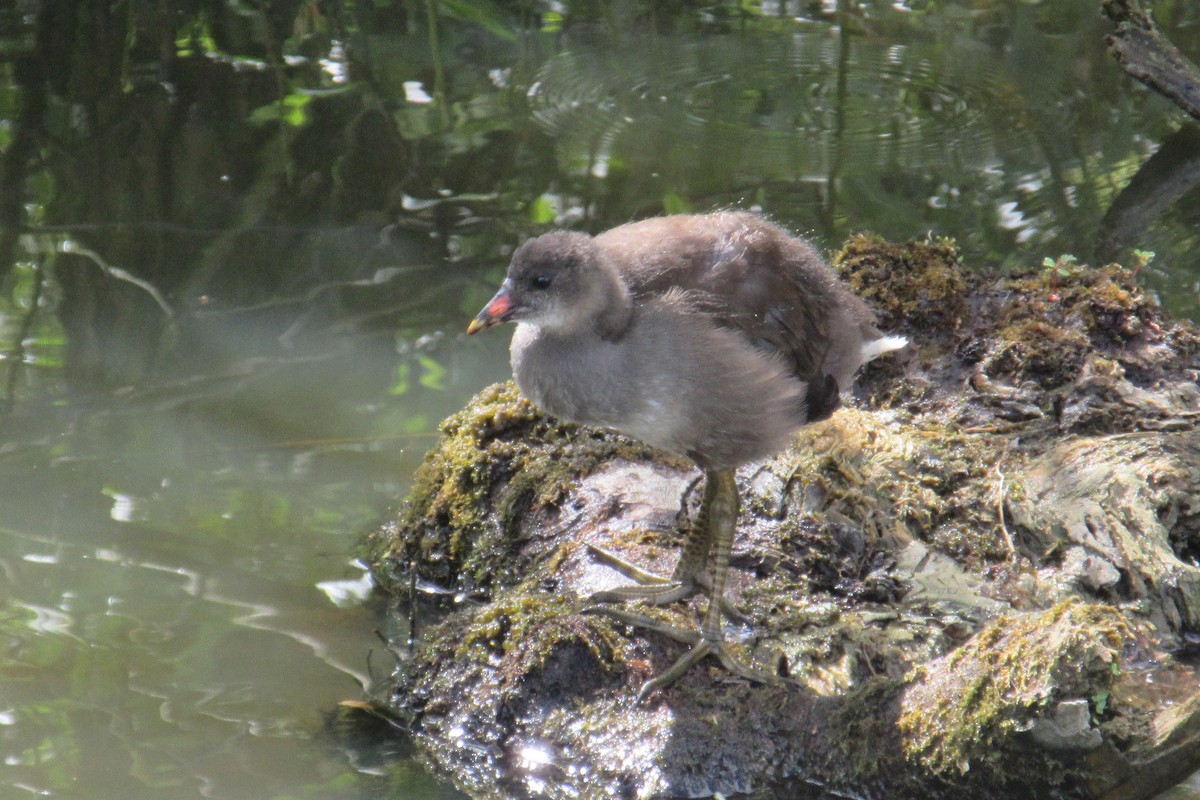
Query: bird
[{"x": 713, "y": 336}]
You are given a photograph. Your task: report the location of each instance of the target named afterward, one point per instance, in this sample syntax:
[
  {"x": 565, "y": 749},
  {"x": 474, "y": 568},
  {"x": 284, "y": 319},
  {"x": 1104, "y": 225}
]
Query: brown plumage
[{"x": 715, "y": 336}]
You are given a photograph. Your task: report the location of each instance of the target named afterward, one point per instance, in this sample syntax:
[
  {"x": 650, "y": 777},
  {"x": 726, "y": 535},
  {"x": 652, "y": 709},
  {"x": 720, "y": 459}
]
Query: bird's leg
[
  {"x": 651, "y": 586},
  {"x": 699, "y": 541},
  {"x": 688, "y": 577},
  {"x": 718, "y": 516}
]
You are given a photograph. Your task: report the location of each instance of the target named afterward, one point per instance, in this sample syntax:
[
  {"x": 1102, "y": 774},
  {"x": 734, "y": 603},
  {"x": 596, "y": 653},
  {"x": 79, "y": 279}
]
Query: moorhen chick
[{"x": 715, "y": 336}]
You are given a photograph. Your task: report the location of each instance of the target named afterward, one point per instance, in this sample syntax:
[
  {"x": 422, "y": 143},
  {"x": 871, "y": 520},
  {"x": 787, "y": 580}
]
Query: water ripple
[{"x": 798, "y": 104}]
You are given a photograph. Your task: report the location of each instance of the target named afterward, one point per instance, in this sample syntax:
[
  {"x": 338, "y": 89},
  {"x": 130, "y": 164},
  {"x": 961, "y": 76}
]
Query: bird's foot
[
  {"x": 653, "y": 588},
  {"x": 701, "y": 646},
  {"x": 650, "y": 586}
]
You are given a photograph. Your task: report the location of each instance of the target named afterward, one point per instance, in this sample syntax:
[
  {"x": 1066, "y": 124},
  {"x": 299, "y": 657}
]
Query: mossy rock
[
  {"x": 987, "y": 693},
  {"x": 498, "y": 464},
  {"x": 907, "y": 566},
  {"x": 1045, "y": 330}
]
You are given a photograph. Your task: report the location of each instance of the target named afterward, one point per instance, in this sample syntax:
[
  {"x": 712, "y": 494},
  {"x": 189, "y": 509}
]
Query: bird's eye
[{"x": 540, "y": 282}]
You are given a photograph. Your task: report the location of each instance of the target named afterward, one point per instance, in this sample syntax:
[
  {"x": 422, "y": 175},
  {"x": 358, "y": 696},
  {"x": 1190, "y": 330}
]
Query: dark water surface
[{"x": 247, "y": 244}]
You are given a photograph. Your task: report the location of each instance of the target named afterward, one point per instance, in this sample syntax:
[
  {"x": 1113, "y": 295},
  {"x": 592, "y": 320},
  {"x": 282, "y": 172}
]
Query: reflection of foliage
[
  {"x": 284, "y": 174},
  {"x": 239, "y": 156}
]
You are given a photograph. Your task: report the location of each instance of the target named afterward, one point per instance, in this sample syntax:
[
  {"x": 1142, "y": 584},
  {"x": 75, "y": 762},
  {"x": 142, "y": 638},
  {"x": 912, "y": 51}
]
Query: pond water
[{"x": 250, "y": 242}]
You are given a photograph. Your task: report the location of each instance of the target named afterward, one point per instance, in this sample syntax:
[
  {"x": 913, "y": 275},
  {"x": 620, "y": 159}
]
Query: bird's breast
[
  {"x": 564, "y": 376},
  {"x": 595, "y": 382}
]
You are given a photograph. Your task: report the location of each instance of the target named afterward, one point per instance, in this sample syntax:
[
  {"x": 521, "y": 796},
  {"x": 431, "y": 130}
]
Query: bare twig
[{"x": 119, "y": 274}]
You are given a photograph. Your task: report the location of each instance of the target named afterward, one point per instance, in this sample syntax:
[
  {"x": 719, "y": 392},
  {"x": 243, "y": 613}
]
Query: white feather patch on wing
[{"x": 876, "y": 348}]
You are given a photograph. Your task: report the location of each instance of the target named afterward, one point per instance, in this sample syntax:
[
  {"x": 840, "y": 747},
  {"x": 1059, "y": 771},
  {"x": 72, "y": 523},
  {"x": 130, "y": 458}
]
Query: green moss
[
  {"x": 1035, "y": 349},
  {"x": 497, "y": 459},
  {"x": 1107, "y": 302},
  {"x": 916, "y": 284},
  {"x": 1046, "y": 329},
  {"x": 902, "y": 480},
  {"x": 993, "y": 686},
  {"x": 865, "y": 736},
  {"x": 854, "y": 460},
  {"x": 523, "y": 626}
]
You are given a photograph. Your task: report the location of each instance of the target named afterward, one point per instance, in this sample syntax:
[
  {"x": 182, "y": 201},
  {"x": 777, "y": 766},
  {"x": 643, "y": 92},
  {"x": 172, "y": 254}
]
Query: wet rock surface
[{"x": 972, "y": 575}]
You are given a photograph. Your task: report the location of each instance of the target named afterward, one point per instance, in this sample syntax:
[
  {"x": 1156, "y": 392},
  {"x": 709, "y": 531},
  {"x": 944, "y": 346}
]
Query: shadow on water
[{"x": 239, "y": 247}]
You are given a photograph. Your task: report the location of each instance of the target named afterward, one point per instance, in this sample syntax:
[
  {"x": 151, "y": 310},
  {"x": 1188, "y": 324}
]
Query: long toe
[
  {"x": 626, "y": 568},
  {"x": 659, "y": 594},
  {"x": 682, "y": 635},
  {"x": 705, "y": 647},
  {"x": 649, "y": 586},
  {"x": 699, "y": 648}
]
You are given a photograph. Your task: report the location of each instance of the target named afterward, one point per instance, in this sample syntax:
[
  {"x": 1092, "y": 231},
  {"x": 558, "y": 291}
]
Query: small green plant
[
  {"x": 1142, "y": 259},
  {"x": 1055, "y": 268},
  {"x": 1063, "y": 266}
]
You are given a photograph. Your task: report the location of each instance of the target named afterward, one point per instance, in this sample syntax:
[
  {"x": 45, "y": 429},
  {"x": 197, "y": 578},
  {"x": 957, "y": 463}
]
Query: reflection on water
[
  {"x": 171, "y": 629},
  {"x": 799, "y": 103},
  {"x": 183, "y": 612},
  {"x": 234, "y": 319}
]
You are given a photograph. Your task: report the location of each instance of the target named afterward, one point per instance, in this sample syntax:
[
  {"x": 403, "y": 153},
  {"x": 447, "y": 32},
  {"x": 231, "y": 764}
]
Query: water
[
  {"x": 182, "y": 612},
  {"x": 228, "y": 340}
]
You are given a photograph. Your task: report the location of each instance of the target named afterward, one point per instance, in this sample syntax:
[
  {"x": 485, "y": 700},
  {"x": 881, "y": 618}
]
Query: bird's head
[{"x": 558, "y": 281}]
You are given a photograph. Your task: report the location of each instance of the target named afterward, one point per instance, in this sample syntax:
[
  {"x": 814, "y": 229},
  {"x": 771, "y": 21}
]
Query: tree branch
[{"x": 1147, "y": 55}]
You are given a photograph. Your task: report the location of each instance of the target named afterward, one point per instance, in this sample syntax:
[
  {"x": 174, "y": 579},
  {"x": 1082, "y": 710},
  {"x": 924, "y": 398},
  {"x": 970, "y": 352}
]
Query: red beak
[{"x": 499, "y": 309}]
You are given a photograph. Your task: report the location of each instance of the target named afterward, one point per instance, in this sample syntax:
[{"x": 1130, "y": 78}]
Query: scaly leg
[
  {"x": 718, "y": 520},
  {"x": 657, "y": 589},
  {"x": 688, "y": 577}
]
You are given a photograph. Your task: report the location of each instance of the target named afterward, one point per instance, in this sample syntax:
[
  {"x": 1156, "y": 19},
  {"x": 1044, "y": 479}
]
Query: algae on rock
[
  {"x": 498, "y": 461},
  {"x": 963, "y": 709}
]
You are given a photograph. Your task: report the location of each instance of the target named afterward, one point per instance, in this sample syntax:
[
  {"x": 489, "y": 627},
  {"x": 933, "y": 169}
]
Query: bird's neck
[{"x": 616, "y": 313}]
